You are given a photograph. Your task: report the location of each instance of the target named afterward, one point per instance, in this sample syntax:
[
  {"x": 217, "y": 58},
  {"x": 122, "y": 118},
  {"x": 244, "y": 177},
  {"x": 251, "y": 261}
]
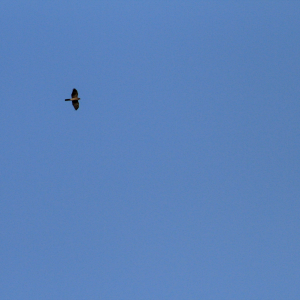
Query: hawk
[{"x": 74, "y": 99}]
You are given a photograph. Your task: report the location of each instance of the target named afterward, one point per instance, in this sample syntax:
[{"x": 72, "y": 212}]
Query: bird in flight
[{"x": 74, "y": 99}]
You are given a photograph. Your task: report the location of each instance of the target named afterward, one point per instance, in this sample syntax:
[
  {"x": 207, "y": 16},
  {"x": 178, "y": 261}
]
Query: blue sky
[{"x": 177, "y": 178}]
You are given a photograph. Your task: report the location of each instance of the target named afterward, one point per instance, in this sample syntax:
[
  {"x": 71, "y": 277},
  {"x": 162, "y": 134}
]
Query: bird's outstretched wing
[
  {"x": 75, "y": 104},
  {"x": 74, "y": 93}
]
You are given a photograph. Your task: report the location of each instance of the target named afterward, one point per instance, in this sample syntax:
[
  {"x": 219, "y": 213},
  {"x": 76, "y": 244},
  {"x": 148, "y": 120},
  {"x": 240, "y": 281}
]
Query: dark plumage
[
  {"x": 75, "y": 104},
  {"x": 74, "y": 99},
  {"x": 74, "y": 93}
]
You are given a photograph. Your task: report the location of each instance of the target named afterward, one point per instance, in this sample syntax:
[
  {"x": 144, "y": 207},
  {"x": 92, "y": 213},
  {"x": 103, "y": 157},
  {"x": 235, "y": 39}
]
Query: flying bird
[{"x": 74, "y": 99}]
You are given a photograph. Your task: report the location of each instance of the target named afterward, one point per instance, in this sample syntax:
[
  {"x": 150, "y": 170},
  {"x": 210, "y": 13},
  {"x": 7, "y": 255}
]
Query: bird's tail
[{"x": 72, "y": 99}]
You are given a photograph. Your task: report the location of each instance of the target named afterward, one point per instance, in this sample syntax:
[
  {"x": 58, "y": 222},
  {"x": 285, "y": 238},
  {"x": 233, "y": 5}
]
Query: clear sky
[{"x": 177, "y": 177}]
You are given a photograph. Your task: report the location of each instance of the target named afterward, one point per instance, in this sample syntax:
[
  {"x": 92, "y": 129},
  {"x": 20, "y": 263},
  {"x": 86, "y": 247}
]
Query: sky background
[{"x": 177, "y": 178}]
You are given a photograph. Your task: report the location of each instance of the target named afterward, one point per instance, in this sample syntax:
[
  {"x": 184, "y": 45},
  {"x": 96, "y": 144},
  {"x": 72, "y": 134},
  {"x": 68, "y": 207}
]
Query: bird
[{"x": 74, "y": 99}]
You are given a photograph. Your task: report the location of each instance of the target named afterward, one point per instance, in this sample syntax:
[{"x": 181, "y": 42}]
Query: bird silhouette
[{"x": 74, "y": 99}]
